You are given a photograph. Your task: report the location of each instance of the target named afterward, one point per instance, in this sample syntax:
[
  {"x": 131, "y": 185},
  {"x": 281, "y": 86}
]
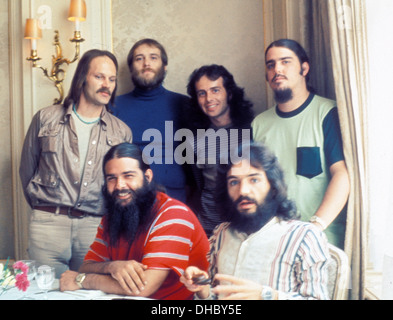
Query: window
[{"x": 380, "y": 130}]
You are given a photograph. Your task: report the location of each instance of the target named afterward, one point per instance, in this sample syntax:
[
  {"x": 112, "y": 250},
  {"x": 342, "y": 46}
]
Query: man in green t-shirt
[{"x": 303, "y": 131}]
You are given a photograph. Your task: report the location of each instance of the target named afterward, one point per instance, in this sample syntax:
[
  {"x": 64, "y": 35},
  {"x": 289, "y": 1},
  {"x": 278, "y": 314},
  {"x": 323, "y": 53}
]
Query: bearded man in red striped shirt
[{"x": 145, "y": 241}]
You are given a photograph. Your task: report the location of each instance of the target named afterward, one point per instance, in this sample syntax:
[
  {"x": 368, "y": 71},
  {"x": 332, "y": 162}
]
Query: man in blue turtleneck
[{"x": 152, "y": 107}]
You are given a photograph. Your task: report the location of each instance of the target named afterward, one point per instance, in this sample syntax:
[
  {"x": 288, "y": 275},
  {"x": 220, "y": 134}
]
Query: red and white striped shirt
[
  {"x": 288, "y": 256},
  {"x": 173, "y": 241}
]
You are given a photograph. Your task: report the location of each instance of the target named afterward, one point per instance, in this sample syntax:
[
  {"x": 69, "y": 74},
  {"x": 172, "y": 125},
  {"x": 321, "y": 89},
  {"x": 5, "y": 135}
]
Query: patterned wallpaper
[{"x": 194, "y": 33}]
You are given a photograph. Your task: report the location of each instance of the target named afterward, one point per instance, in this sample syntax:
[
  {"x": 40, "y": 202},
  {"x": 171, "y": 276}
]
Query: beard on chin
[
  {"x": 252, "y": 222},
  {"x": 283, "y": 95},
  {"x": 123, "y": 221},
  {"x": 148, "y": 84}
]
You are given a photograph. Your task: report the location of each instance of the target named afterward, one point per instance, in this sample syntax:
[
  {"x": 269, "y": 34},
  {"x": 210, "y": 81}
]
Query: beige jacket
[{"x": 49, "y": 168}]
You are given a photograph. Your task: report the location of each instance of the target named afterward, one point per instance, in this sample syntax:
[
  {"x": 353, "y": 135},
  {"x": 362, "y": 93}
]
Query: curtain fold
[
  {"x": 319, "y": 50},
  {"x": 348, "y": 42},
  {"x": 333, "y": 32}
]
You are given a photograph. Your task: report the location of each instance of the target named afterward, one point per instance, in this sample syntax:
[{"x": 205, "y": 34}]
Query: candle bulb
[{"x": 77, "y": 25}]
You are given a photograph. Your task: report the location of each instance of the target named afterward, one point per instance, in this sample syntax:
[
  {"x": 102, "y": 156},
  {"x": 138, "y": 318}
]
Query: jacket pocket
[
  {"x": 308, "y": 162},
  {"x": 44, "y": 185},
  {"x": 47, "y": 179},
  {"x": 48, "y": 139}
]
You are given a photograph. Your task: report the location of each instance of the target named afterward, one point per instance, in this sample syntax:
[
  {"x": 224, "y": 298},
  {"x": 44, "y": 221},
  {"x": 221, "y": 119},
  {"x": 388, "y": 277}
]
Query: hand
[
  {"x": 238, "y": 289},
  {"x": 129, "y": 274},
  {"x": 186, "y": 279},
  {"x": 67, "y": 281}
]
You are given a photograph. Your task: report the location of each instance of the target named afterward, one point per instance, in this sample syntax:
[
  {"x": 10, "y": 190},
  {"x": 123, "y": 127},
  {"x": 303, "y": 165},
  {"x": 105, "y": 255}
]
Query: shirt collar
[
  {"x": 295, "y": 112},
  {"x": 104, "y": 114}
]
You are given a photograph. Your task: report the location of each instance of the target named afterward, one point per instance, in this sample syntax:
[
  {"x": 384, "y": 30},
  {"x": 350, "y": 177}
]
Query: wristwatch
[
  {"x": 318, "y": 220},
  {"x": 267, "y": 293},
  {"x": 79, "y": 279}
]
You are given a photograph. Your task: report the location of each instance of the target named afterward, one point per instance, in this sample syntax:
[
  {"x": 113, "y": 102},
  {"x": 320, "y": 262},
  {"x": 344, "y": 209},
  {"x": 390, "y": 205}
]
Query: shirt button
[
  {"x": 85, "y": 184},
  {"x": 76, "y": 160},
  {"x": 89, "y": 163},
  {"x": 94, "y": 142}
]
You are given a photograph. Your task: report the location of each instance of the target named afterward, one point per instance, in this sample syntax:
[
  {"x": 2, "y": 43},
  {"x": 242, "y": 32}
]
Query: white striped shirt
[{"x": 288, "y": 256}]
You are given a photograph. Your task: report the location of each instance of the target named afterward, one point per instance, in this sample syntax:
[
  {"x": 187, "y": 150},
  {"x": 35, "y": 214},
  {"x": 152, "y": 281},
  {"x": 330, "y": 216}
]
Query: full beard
[
  {"x": 123, "y": 221},
  {"x": 148, "y": 84},
  {"x": 250, "y": 223}
]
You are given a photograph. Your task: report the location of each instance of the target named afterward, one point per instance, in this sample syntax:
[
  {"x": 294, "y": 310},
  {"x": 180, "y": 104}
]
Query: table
[{"x": 35, "y": 293}]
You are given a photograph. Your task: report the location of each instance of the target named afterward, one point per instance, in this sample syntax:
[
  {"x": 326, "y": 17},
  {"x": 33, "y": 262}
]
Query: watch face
[
  {"x": 80, "y": 277},
  {"x": 267, "y": 294}
]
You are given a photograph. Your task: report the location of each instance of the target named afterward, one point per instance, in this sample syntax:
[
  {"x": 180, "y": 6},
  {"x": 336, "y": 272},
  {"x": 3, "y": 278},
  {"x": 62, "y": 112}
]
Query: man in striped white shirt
[
  {"x": 145, "y": 241},
  {"x": 263, "y": 251}
]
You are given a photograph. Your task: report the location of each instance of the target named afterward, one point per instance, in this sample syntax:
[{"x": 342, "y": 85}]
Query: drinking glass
[{"x": 45, "y": 278}]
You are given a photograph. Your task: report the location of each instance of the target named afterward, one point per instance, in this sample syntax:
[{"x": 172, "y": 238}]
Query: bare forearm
[
  {"x": 123, "y": 277},
  {"x": 104, "y": 283},
  {"x": 95, "y": 267},
  {"x": 91, "y": 281},
  {"x": 336, "y": 195}
]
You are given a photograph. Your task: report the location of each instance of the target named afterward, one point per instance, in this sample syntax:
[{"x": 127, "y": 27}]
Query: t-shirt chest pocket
[{"x": 308, "y": 162}]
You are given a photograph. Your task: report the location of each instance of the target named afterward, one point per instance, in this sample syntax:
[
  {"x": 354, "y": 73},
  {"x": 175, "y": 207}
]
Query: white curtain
[
  {"x": 334, "y": 34},
  {"x": 348, "y": 40}
]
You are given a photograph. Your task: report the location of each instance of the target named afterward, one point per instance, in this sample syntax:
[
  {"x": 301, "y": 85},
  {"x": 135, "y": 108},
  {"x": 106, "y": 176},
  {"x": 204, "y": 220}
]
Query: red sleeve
[
  {"x": 172, "y": 238},
  {"x": 99, "y": 249}
]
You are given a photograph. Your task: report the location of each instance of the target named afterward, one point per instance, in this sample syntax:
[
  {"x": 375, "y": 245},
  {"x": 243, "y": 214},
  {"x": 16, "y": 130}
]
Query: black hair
[
  {"x": 125, "y": 150},
  {"x": 259, "y": 157},
  {"x": 241, "y": 109},
  {"x": 295, "y": 47}
]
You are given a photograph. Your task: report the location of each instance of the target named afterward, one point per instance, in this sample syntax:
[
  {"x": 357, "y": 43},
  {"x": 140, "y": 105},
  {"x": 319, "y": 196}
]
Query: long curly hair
[
  {"x": 241, "y": 109},
  {"x": 260, "y": 157}
]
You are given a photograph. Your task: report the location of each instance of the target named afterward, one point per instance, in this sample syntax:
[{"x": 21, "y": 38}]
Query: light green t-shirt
[{"x": 297, "y": 139}]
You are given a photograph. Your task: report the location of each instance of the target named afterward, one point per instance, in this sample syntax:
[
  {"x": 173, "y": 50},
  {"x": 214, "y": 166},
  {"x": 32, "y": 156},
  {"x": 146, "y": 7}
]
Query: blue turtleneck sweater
[{"x": 142, "y": 110}]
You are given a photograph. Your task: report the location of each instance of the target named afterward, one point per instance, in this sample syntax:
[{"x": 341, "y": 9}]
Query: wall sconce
[{"x": 76, "y": 13}]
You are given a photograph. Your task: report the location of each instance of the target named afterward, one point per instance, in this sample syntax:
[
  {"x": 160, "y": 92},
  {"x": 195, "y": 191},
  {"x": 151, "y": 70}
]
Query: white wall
[{"x": 380, "y": 115}]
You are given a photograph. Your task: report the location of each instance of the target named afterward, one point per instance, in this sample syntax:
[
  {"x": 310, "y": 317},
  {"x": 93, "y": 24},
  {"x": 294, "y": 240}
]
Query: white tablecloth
[{"x": 35, "y": 293}]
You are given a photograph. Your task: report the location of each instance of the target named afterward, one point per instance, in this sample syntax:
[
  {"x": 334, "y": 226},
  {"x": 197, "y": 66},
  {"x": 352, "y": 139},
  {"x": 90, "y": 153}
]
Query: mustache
[
  {"x": 105, "y": 90},
  {"x": 115, "y": 193},
  {"x": 148, "y": 69},
  {"x": 278, "y": 75},
  {"x": 244, "y": 198}
]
